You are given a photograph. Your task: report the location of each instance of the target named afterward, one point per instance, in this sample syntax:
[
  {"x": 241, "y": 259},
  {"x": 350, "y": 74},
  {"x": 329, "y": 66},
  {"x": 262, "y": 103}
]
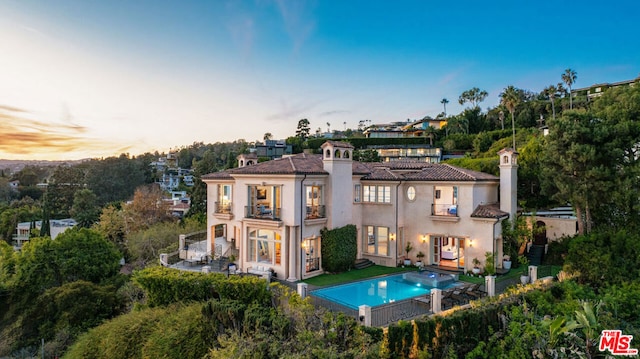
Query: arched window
[
  {"x": 328, "y": 154},
  {"x": 505, "y": 159},
  {"x": 337, "y": 154},
  {"x": 241, "y": 163},
  {"x": 346, "y": 154}
]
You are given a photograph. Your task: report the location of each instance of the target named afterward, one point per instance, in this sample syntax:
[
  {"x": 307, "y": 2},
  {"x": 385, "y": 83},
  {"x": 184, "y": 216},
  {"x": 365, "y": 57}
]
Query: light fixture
[
  {"x": 424, "y": 238},
  {"x": 470, "y": 242},
  {"x": 392, "y": 236}
]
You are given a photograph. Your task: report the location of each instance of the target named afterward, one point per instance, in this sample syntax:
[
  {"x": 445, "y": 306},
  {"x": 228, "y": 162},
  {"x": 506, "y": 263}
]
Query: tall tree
[
  {"x": 303, "y": 129},
  {"x": 444, "y": 103},
  {"x": 551, "y": 92},
  {"x": 569, "y": 77},
  {"x": 510, "y": 98},
  {"x": 474, "y": 96},
  {"x": 85, "y": 209},
  {"x": 267, "y": 136}
]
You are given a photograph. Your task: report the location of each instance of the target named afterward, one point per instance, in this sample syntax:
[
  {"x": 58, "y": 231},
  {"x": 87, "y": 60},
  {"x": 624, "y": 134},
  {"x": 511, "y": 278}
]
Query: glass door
[
  {"x": 436, "y": 250},
  {"x": 461, "y": 249}
]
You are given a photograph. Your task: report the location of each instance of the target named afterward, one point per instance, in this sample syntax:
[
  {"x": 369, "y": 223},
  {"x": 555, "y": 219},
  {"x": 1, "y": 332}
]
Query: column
[{"x": 293, "y": 254}]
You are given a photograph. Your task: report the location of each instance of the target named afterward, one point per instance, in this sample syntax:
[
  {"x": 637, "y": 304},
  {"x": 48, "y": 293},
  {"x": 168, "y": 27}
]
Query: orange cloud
[{"x": 28, "y": 137}]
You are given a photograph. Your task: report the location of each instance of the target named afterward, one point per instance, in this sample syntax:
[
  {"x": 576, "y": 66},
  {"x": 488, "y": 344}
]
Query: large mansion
[{"x": 270, "y": 214}]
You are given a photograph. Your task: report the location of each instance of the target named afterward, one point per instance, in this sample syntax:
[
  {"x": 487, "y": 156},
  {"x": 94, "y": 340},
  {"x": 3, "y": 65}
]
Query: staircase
[
  {"x": 535, "y": 255},
  {"x": 362, "y": 263}
]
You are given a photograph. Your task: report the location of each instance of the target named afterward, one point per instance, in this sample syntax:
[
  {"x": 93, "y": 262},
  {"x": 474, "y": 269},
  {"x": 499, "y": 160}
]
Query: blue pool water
[{"x": 374, "y": 292}]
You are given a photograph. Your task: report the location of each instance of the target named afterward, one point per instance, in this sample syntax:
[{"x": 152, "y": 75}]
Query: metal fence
[{"x": 381, "y": 315}]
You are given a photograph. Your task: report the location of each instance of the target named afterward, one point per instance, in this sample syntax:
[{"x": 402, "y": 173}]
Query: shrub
[{"x": 339, "y": 248}]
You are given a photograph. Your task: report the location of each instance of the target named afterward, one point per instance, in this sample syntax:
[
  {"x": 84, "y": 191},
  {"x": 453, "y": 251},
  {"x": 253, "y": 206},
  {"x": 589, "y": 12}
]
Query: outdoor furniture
[{"x": 447, "y": 299}]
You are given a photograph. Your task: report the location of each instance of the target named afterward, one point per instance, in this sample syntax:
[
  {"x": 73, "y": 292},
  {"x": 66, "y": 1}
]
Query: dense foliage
[{"x": 339, "y": 248}]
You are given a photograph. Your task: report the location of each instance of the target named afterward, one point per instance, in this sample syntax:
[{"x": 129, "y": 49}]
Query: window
[
  {"x": 311, "y": 247},
  {"x": 379, "y": 194},
  {"x": 376, "y": 240},
  {"x": 264, "y": 246},
  {"x": 356, "y": 193},
  {"x": 445, "y": 201},
  {"x": 315, "y": 209},
  {"x": 411, "y": 193},
  {"x": 224, "y": 199}
]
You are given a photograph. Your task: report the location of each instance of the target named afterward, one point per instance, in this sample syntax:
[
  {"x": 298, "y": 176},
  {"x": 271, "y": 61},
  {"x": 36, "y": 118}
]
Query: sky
[{"x": 93, "y": 79}]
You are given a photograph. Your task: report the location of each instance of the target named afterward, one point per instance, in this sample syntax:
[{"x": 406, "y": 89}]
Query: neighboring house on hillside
[
  {"x": 422, "y": 153},
  {"x": 273, "y": 149},
  {"x": 272, "y": 213},
  {"x": 56, "y": 226},
  {"x": 597, "y": 90}
]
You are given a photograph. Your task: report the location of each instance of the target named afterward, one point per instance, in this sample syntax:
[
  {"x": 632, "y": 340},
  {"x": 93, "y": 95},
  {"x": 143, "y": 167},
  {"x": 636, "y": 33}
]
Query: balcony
[
  {"x": 314, "y": 212},
  {"x": 222, "y": 208},
  {"x": 444, "y": 209},
  {"x": 262, "y": 212}
]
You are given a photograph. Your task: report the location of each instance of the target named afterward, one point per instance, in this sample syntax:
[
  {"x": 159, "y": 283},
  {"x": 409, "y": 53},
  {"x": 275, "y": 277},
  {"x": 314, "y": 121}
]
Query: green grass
[{"x": 353, "y": 275}]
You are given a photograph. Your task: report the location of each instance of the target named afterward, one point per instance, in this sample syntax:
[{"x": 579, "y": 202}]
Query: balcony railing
[
  {"x": 316, "y": 212},
  {"x": 444, "y": 209},
  {"x": 223, "y": 207},
  {"x": 262, "y": 212},
  {"x": 313, "y": 264}
]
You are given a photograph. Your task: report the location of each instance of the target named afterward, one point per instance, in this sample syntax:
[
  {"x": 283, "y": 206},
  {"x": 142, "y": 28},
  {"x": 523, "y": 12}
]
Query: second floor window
[
  {"x": 224, "y": 198},
  {"x": 379, "y": 194},
  {"x": 314, "y": 202}
]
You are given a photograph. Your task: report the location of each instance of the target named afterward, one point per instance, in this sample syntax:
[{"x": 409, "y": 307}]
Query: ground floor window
[
  {"x": 376, "y": 240},
  {"x": 311, "y": 250},
  {"x": 265, "y": 246}
]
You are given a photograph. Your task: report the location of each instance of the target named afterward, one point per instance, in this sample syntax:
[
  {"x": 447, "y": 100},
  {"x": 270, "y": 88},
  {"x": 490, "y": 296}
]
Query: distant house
[
  {"x": 271, "y": 213},
  {"x": 56, "y": 226},
  {"x": 554, "y": 223},
  {"x": 597, "y": 90},
  {"x": 272, "y": 149}
]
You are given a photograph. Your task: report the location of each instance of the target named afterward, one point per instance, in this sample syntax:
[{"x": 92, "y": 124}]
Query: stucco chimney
[
  {"x": 509, "y": 181},
  {"x": 337, "y": 160}
]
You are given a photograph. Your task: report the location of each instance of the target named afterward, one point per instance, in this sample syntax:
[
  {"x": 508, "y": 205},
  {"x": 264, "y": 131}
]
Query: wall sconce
[
  {"x": 424, "y": 238},
  {"x": 470, "y": 242},
  {"x": 392, "y": 236}
]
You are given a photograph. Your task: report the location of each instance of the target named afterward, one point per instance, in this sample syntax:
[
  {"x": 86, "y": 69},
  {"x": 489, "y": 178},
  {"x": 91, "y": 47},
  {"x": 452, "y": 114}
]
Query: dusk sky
[{"x": 90, "y": 78}]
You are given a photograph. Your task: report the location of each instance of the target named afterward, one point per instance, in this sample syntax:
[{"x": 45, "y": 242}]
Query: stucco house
[{"x": 270, "y": 214}]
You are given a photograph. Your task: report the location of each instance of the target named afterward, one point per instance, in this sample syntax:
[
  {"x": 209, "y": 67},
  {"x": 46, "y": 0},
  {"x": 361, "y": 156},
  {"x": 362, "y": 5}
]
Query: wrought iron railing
[
  {"x": 262, "y": 212},
  {"x": 444, "y": 209},
  {"x": 316, "y": 212},
  {"x": 223, "y": 208}
]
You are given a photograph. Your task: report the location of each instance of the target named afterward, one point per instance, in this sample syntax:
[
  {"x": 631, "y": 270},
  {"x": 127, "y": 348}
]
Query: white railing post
[
  {"x": 490, "y": 285},
  {"x": 303, "y": 290},
  {"x": 364, "y": 315},
  {"x": 533, "y": 273},
  {"x": 436, "y": 300}
]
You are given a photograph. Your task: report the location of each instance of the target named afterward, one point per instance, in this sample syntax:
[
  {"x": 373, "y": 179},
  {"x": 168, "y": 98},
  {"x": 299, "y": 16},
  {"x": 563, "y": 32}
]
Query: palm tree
[
  {"x": 267, "y": 136},
  {"x": 444, "y": 102},
  {"x": 551, "y": 93},
  {"x": 510, "y": 99},
  {"x": 569, "y": 77},
  {"x": 430, "y": 133}
]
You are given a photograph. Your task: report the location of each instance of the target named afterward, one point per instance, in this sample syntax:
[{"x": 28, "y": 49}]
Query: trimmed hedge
[
  {"x": 164, "y": 286},
  {"x": 339, "y": 248}
]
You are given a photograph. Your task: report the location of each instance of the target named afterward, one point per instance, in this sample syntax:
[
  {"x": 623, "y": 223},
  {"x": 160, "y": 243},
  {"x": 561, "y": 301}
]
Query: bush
[
  {"x": 164, "y": 286},
  {"x": 339, "y": 248}
]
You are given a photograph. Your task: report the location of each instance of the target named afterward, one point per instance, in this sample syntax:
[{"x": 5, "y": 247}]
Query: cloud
[
  {"x": 24, "y": 136},
  {"x": 331, "y": 113},
  {"x": 298, "y": 24}
]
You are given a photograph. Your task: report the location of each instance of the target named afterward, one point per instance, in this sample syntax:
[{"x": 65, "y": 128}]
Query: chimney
[
  {"x": 337, "y": 161},
  {"x": 509, "y": 182}
]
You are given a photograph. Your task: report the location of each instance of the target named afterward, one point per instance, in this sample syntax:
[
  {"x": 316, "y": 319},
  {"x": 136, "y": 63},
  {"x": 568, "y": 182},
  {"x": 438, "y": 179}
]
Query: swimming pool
[{"x": 375, "y": 292}]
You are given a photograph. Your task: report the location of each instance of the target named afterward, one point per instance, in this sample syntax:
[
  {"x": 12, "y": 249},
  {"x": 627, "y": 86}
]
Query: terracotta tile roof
[
  {"x": 388, "y": 171},
  {"x": 338, "y": 144},
  {"x": 490, "y": 210}
]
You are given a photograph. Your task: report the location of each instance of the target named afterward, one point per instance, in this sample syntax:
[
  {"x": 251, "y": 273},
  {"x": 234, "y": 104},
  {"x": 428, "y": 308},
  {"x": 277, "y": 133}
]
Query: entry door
[{"x": 436, "y": 250}]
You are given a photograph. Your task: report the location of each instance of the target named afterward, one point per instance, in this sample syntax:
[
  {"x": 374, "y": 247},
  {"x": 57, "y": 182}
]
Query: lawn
[{"x": 354, "y": 274}]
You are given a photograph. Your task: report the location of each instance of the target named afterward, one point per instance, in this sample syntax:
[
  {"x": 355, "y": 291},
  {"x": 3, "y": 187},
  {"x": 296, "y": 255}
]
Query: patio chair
[
  {"x": 447, "y": 299},
  {"x": 475, "y": 292}
]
